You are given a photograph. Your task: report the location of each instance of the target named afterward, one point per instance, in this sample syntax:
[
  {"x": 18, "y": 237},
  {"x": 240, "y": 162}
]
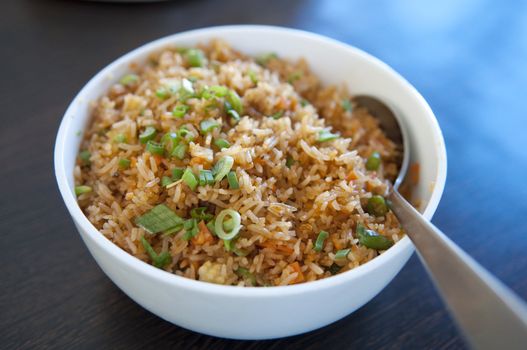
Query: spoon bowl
[{"x": 390, "y": 124}]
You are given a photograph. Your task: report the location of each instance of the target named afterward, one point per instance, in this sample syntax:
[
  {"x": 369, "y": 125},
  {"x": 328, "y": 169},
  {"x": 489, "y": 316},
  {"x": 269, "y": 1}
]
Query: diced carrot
[
  {"x": 282, "y": 103},
  {"x": 158, "y": 159},
  {"x": 296, "y": 267},
  {"x": 259, "y": 161},
  {"x": 352, "y": 176},
  {"x": 197, "y": 160},
  {"x": 203, "y": 236},
  {"x": 336, "y": 242}
]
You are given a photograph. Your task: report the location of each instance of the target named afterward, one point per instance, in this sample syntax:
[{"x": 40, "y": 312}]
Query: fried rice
[{"x": 301, "y": 181}]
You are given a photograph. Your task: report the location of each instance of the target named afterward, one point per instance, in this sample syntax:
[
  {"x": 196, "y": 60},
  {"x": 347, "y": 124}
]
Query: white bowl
[{"x": 260, "y": 313}]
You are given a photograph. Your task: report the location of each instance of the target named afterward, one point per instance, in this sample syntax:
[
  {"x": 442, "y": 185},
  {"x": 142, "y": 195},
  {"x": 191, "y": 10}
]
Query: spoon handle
[{"x": 489, "y": 314}]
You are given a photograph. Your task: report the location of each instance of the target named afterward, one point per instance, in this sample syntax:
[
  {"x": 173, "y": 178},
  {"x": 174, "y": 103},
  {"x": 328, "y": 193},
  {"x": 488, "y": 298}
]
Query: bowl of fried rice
[{"x": 225, "y": 179}]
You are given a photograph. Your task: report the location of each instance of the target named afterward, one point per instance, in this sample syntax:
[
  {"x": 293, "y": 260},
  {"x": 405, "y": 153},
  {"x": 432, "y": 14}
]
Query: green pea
[
  {"x": 377, "y": 206},
  {"x": 373, "y": 240},
  {"x": 373, "y": 162}
]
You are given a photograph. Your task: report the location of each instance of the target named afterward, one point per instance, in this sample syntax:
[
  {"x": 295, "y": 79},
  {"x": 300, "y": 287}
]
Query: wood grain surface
[{"x": 468, "y": 59}]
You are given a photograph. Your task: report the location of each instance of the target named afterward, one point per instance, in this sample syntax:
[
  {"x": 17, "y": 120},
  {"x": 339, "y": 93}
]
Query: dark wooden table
[{"x": 468, "y": 59}]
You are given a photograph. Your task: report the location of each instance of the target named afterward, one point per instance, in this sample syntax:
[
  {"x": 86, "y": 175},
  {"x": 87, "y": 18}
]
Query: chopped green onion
[
  {"x": 372, "y": 239},
  {"x": 162, "y": 93},
  {"x": 82, "y": 189},
  {"x": 347, "y": 106},
  {"x": 219, "y": 91},
  {"x": 124, "y": 163},
  {"x": 180, "y": 110},
  {"x": 304, "y": 102},
  {"x": 210, "y": 226},
  {"x": 208, "y": 125},
  {"x": 160, "y": 218},
  {"x": 191, "y": 229},
  {"x": 209, "y": 177},
  {"x": 246, "y": 275},
  {"x": 265, "y": 58},
  {"x": 230, "y": 246},
  {"x": 165, "y": 181},
  {"x": 193, "y": 79},
  {"x": 78, "y": 133},
  {"x": 377, "y": 206},
  {"x": 162, "y": 260},
  {"x": 205, "y": 178},
  {"x": 342, "y": 254},
  {"x": 172, "y": 230},
  {"x": 289, "y": 162},
  {"x": 129, "y": 79},
  {"x": 253, "y": 77},
  {"x": 334, "y": 269},
  {"x": 186, "y": 87},
  {"x": 218, "y": 224},
  {"x": 170, "y": 140},
  {"x": 190, "y": 179},
  {"x": 235, "y": 101},
  {"x": 222, "y": 143},
  {"x": 228, "y": 224},
  {"x": 201, "y": 178},
  {"x": 120, "y": 138},
  {"x": 207, "y": 95},
  {"x": 233, "y": 180},
  {"x": 326, "y": 135},
  {"x": 85, "y": 157},
  {"x": 238, "y": 252},
  {"x": 233, "y": 114},
  {"x": 173, "y": 88},
  {"x": 195, "y": 57},
  {"x": 148, "y": 134},
  {"x": 155, "y": 148},
  {"x": 200, "y": 214},
  {"x": 319, "y": 244},
  {"x": 179, "y": 151},
  {"x": 177, "y": 173},
  {"x": 294, "y": 77},
  {"x": 183, "y": 132},
  {"x": 277, "y": 115},
  {"x": 158, "y": 260},
  {"x": 222, "y": 168},
  {"x": 374, "y": 161}
]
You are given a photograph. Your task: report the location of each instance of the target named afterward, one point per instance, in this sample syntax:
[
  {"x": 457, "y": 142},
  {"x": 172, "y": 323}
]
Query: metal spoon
[{"x": 488, "y": 313}]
